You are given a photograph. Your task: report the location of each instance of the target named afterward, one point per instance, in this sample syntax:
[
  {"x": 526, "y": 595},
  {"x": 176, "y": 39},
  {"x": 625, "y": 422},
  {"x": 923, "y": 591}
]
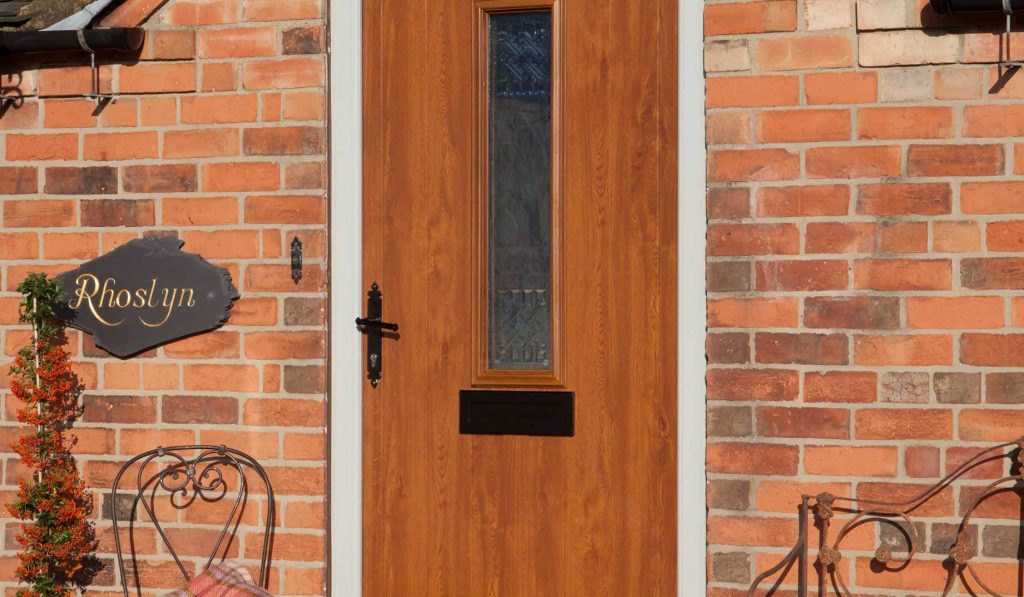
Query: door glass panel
[{"x": 519, "y": 190}]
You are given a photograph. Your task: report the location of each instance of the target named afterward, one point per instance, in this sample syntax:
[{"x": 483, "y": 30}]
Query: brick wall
[
  {"x": 866, "y": 261},
  {"x": 217, "y": 136}
]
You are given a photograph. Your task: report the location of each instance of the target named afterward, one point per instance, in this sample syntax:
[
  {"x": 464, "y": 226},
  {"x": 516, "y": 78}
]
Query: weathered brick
[
  {"x": 919, "y": 350},
  {"x": 903, "y": 423},
  {"x": 304, "y": 379},
  {"x": 302, "y": 40},
  {"x": 840, "y": 386},
  {"x": 118, "y": 212},
  {"x": 796, "y": 126},
  {"x": 752, "y": 459},
  {"x": 753, "y": 239},
  {"x": 911, "y": 387},
  {"x": 821, "y": 200},
  {"x": 752, "y": 17},
  {"x": 728, "y": 349},
  {"x": 782, "y": 421},
  {"x": 797, "y": 53},
  {"x": 891, "y": 48},
  {"x": 730, "y": 421},
  {"x": 756, "y": 312},
  {"x": 992, "y": 350},
  {"x": 803, "y": 349},
  {"x": 838, "y": 237},
  {"x": 1001, "y": 388},
  {"x": 902, "y": 274},
  {"x": 728, "y": 276},
  {"x": 728, "y": 494},
  {"x": 905, "y": 123},
  {"x": 803, "y": 275},
  {"x": 955, "y": 160},
  {"x": 35, "y": 213},
  {"x": 238, "y": 43},
  {"x": 859, "y": 312},
  {"x": 841, "y": 87},
  {"x": 727, "y": 203},
  {"x": 992, "y": 274},
  {"x": 853, "y": 162},
  {"x": 90, "y": 180},
  {"x": 904, "y": 237},
  {"x": 119, "y": 409},
  {"x": 753, "y": 164},
  {"x": 753, "y": 384}
]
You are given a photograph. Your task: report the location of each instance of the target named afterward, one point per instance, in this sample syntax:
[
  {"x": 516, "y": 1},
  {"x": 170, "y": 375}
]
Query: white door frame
[{"x": 346, "y": 298}]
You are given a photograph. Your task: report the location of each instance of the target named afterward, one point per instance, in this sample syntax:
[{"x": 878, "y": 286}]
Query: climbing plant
[{"x": 58, "y": 540}]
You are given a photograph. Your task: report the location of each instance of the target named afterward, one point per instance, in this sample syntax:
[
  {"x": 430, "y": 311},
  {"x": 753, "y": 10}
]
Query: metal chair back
[{"x": 183, "y": 475}]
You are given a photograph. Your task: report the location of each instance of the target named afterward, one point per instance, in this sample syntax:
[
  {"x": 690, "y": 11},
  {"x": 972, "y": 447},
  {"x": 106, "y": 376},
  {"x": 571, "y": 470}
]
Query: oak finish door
[{"x": 463, "y": 515}]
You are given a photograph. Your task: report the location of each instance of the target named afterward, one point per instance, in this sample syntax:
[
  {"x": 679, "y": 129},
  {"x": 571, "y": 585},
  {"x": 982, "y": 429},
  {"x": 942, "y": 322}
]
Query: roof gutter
[
  {"x": 947, "y": 7},
  {"x": 83, "y": 40}
]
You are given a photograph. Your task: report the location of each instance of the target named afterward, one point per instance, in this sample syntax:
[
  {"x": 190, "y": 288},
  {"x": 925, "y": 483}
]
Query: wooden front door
[{"x": 520, "y": 220}]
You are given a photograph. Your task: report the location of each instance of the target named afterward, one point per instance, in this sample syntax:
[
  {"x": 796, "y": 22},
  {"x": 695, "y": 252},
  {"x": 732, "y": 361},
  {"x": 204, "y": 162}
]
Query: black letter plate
[{"x": 510, "y": 412}]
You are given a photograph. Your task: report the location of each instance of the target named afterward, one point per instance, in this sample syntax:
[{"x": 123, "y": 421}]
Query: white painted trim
[
  {"x": 692, "y": 432},
  {"x": 346, "y": 280},
  {"x": 346, "y": 299}
]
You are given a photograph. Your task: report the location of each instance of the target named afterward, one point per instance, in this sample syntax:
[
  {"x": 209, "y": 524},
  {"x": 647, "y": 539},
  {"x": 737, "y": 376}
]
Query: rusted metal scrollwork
[
  {"x": 823, "y": 508},
  {"x": 182, "y": 475}
]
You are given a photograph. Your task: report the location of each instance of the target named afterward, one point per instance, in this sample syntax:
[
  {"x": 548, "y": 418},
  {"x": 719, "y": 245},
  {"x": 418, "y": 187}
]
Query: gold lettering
[
  {"x": 191, "y": 298},
  {"x": 127, "y": 295},
  {"x": 82, "y": 294},
  {"x": 169, "y": 304},
  {"x": 107, "y": 294},
  {"x": 152, "y": 294}
]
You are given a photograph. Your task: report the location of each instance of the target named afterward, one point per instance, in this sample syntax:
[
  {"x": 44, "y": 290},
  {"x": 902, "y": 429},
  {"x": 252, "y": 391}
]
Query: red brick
[
  {"x": 752, "y": 459},
  {"x": 277, "y": 278},
  {"x": 753, "y": 239},
  {"x": 753, "y": 312},
  {"x": 904, "y": 237},
  {"x": 939, "y": 504},
  {"x": 796, "y": 126},
  {"x": 69, "y": 113},
  {"x": 219, "y": 76},
  {"x": 802, "y": 275},
  {"x": 284, "y": 413},
  {"x": 199, "y": 409},
  {"x": 285, "y": 345},
  {"x": 751, "y": 92},
  {"x": 903, "y": 274},
  {"x": 169, "y": 77},
  {"x": 823, "y": 200},
  {"x": 271, "y": 10},
  {"x": 90, "y": 180},
  {"x": 753, "y": 165},
  {"x": 130, "y": 14},
  {"x": 36, "y": 213},
  {"x": 289, "y": 73},
  {"x": 803, "y": 423},
  {"x": 223, "y": 244},
  {"x": 169, "y": 45},
  {"x": 119, "y": 409},
  {"x": 797, "y": 53},
  {"x": 853, "y": 162},
  {"x": 200, "y": 211},
  {"x": 993, "y": 274},
  {"x": 283, "y": 141},
  {"x": 238, "y": 43},
  {"x": 903, "y": 423},
  {"x": 904, "y": 199},
  {"x": 1005, "y": 236},
  {"x": 841, "y": 386},
  {"x": 994, "y": 121},
  {"x": 201, "y": 143},
  {"x": 955, "y": 160},
  {"x": 19, "y": 180},
  {"x": 214, "y": 345},
  {"x": 305, "y": 175},
  {"x": 962, "y": 312},
  {"x": 992, "y": 350},
  {"x": 751, "y": 17},
  {"x": 991, "y": 426},
  {"x": 219, "y": 109},
  {"x": 774, "y": 385},
  {"x": 72, "y": 80},
  {"x": 121, "y": 146},
  {"x": 302, "y": 105},
  {"x": 288, "y": 209},
  {"x": 801, "y": 349},
  {"x": 46, "y": 147},
  {"x": 851, "y": 461},
  {"x": 726, "y": 203},
  {"x": 983, "y": 469},
  {"x": 234, "y": 378},
  {"x": 728, "y": 128},
  {"x": 841, "y": 88},
  {"x": 71, "y": 245},
  {"x": 905, "y": 123},
  {"x": 241, "y": 176},
  {"x": 920, "y": 350},
  {"x": 759, "y": 531},
  {"x": 118, "y": 212},
  {"x": 998, "y": 197},
  {"x": 956, "y": 237},
  {"x": 720, "y": 348},
  {"x": 158, "y": 111},
  {"x": 922, "y": 461},
  {"x": 837, "y": 237},
  {"x": 201, "y": 12},
  {"x": 18, "y": 245}
]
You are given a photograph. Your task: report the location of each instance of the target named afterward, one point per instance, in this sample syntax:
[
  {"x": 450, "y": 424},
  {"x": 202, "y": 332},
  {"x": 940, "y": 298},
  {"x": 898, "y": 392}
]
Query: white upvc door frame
[{"x": 346, "y": 294}]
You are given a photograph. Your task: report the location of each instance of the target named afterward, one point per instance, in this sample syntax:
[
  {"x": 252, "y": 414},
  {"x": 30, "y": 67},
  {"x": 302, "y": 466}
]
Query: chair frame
[
  {"x": 203, "y": 473},
  {"x": 865, "y": 511}
]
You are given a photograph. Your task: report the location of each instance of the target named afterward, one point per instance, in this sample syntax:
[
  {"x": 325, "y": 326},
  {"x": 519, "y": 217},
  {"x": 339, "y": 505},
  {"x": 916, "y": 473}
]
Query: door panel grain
[{"x": 594, "y": 514}]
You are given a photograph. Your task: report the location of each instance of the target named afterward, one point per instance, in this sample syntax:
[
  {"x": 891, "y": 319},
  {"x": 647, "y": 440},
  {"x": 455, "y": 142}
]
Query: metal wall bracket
[
  {"x": 1005, "y": 61},
  {"x": 101, "y": 98},
  {"x": 296, "y": 260}
]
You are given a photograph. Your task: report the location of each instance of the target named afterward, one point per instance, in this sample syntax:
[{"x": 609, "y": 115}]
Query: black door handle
[
  {"x": 372, "y": 325},
  {"x": 364, "y": 322}
]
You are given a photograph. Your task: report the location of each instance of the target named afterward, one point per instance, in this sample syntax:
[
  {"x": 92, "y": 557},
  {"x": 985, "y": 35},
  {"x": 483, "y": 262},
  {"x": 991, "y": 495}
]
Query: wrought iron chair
[
  {"x": 961, "y": 551},
  {"x": 170, "y": 473}
]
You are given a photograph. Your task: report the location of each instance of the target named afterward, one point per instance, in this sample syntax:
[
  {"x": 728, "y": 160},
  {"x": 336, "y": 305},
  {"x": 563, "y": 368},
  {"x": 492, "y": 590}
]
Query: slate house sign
[{"x": 145, "y": 293}]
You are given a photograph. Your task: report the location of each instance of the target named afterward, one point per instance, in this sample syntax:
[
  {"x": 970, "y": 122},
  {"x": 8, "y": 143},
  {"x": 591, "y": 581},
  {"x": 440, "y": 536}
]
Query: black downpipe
[
  {"x": 948, "y": 7},
  {"x": 97, "y": 40}
]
